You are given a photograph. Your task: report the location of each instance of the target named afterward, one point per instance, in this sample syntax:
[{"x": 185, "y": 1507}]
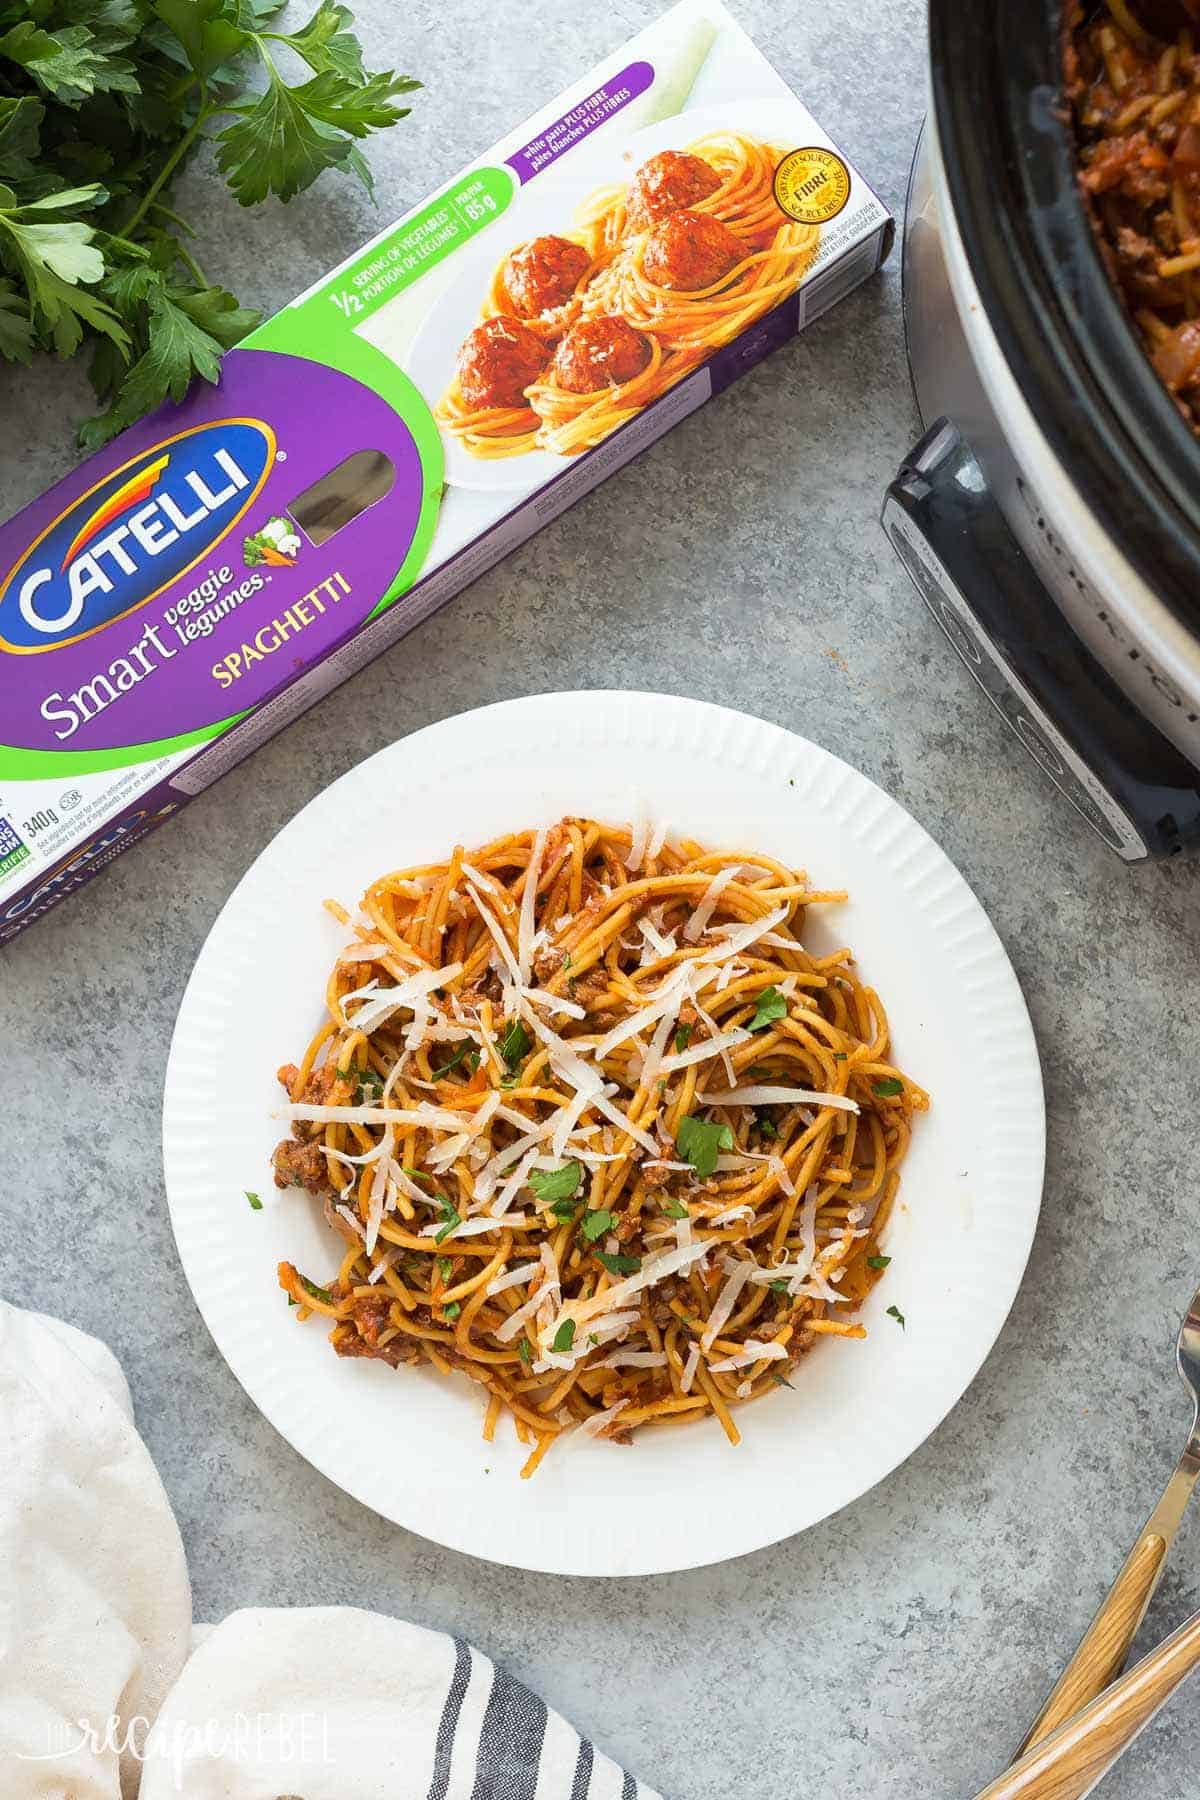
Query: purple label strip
[{"x": 581, "y": 121}]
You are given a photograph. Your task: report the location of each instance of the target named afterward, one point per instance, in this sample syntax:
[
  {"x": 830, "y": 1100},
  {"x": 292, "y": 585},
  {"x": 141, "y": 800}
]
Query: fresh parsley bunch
[{"x": 102, "y": 102}]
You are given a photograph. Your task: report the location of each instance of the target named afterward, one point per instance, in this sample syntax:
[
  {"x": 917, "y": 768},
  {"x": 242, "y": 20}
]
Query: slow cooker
[{"x": 1050, "y": 514}]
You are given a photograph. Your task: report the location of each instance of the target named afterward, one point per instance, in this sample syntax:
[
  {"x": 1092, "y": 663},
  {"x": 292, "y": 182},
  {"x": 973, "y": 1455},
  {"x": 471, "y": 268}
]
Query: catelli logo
[{"x": 133, "y": 533}]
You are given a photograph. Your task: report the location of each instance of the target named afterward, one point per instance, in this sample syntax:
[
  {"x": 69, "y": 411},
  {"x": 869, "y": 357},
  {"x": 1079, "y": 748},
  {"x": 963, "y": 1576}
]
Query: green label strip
[{"x": 399, "y": 259}]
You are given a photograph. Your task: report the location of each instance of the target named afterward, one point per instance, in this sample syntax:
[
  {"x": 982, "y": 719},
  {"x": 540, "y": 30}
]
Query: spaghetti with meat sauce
[
  {"x": 596, "y": 1129},
  {"x": 1132, "y": 76}
]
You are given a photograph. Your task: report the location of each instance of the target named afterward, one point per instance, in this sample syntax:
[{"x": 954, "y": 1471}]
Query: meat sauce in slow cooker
[{"x": 1132, "y": 76}]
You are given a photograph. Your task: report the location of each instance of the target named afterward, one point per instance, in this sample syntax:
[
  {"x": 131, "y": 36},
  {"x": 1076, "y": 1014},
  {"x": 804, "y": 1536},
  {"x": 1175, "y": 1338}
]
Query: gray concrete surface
[{"x": 900, "y": 1649}]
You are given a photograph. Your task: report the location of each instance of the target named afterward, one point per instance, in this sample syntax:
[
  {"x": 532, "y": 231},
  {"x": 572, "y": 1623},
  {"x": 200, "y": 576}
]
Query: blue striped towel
[{"x": 331, "y": 1703}]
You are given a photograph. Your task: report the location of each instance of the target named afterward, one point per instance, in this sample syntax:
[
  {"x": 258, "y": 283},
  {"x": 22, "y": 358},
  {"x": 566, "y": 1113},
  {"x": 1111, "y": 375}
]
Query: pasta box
[{"x": 598, "y": 275}]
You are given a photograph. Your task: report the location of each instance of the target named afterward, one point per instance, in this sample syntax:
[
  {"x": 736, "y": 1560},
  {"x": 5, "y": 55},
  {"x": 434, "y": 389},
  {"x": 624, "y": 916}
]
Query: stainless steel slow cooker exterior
[{"x": 1032, "y": 514}]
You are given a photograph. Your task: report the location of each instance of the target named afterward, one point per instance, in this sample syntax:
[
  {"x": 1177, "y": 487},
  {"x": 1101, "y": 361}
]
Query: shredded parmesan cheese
[
  {"x": 738, "y": 1275},
  {"x": 596, "y": 1424},
  {"x": 697, "y": 925},
  {"x": 751, "y": 1352},
  {"x": 778, "y": 1096}
]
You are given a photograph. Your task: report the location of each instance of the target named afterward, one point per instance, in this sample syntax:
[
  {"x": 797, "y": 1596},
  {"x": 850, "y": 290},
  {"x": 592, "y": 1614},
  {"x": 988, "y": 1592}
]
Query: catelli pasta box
[{"x": 591, "y": 280}]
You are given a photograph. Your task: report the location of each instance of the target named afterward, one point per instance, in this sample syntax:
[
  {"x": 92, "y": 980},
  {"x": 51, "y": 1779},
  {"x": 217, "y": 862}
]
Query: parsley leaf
[
  {"x": 698, "y": 1142},
  {"x": 326, "y": 42},
  {"x": 515, "y": 1044},
  {"x": 878, "y": 1262},
  {"x": 445, "y": 1267},
  {"x": 888, "y": 1087},
  {"x": 771, "y": 1006},
  {"x": 452, "y": 1310},
  {"x": 16, "y": 326},
  {"x": 318, "y": 1293},
  {"x": 451, "y": 1219},
  {"x": 102, "y": 105},
  {"x": 281, "y": 141},
  {"x": 766, "y": 1125},
  {"x": 683, "y": 1037},
  {"x": 780, "y": 1380},
  {"x": 525, "y": 1350},
  {"x": 893, "y": 1312},
  {"x": 556, "y": 1184},
  {"x": 595, "y": 1224},
  {"x": 564, "y": 1337},
  {"x": 675, "y": 1209},
  {"x": 779, "y": 1287},
  {"x": 255, "y": 1203},
  {"x": 618, "y": 1265},
  {"x": 460, "y": 1055}
]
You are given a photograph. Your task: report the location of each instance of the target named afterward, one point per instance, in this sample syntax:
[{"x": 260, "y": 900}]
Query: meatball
[
  {"x": 599, "y": 353},
  {"x": 689, "y": 251},
  {"x": 498, "y": 362},
  {"x": 669, "y": 181},
  {"x": 544, "y": 274}
]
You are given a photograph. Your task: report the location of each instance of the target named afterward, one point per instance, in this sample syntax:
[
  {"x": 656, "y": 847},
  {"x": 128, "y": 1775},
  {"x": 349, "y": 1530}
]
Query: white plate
[
  {"x": 548, "y": 205},
  {"x": 407, "y": 1442}
]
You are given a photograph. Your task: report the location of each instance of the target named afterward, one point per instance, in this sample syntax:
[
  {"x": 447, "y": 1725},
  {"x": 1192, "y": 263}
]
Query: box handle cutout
[{"x": 339, "y": 497}]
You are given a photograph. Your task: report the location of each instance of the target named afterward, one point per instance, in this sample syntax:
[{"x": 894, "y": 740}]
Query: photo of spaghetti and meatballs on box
[{"x": 580, "y": 330}]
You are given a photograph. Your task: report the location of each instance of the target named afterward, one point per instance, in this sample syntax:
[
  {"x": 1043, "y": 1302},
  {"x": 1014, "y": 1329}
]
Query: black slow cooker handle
[{"x": 1128, "y": 781}]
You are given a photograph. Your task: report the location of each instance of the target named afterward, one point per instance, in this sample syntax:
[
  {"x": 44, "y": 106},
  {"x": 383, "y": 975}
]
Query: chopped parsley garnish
[
  {"x": 780, "y": 1380},
  {"x": 698, "y": 1142},
  {"x": 878, "y": 1262},
  {"x": 618, "y": 1265},
  {"x": 318, "y": 1293},
  {"x": 839, "y": 1056},
  {"x": 893, "y": 1312},
  {"x": 779, "y": 1287},
  {"x": 888, "y": 1087},
  {"x": 515, "y": 1045},
  {"x": 675, "y": 1209},
  {"x": 683, "y": 1036},
  {"x": 414, "y": 1174},
  {"x": 463, "y": 1054},
  {"x": 564, "y": 1337},
  {"x": 450, "y": 1218},
  {"x": 254, "y": 1200},
  {"x": 452, "y": 1310},
  {"x": 595, "y": 1224},
  {"x": 771, "y": 1006},
  {"x": 525, "y": 1351},
  {"x": 556, "y": 1184},
  {"x": 564, "y": 1210},
  {"x": 445, "y": 1267},
  {"x": 366, "y": 1083},
  {"x": 766, "y": 1125},
  {"x": 291, "y": 1299}
]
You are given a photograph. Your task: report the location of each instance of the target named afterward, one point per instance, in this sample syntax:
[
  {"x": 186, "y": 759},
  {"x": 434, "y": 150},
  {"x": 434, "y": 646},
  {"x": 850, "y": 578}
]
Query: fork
[{"x": 1105, "y": 1646}]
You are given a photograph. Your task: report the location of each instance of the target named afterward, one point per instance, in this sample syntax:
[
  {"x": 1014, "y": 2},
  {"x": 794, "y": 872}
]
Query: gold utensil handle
[
  {"x": 1102, "y": 1652},
  {"x": 1068, "y": 1765}
]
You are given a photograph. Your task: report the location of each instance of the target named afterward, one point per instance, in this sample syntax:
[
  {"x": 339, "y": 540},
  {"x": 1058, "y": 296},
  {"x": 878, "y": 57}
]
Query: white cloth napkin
[
  {"x": 329, "y": 1703},
  {"x": 95, "y": 1606},
  {"x": 315, "y": 1703}
]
